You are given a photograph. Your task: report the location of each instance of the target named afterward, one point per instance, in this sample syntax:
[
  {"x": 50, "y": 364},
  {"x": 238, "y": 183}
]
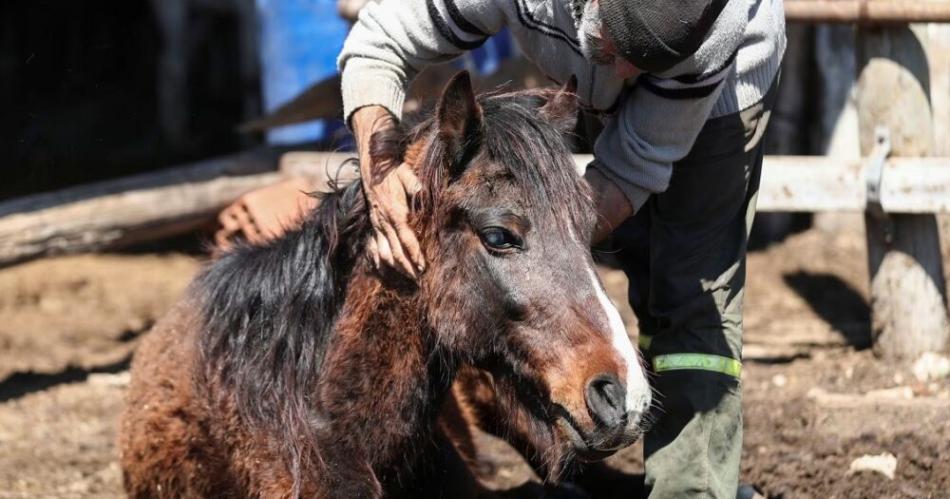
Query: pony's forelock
[{"x": 533, "y": 153}]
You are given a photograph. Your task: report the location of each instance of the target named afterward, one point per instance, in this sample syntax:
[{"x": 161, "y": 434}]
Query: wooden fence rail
[
  {"x": 820, "y": 183},
  {"x": 867, "y": 11},
  {"x": 141, "y": 208}
]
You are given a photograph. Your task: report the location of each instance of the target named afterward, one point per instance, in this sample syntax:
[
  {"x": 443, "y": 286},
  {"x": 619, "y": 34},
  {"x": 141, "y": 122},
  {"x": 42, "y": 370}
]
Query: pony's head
[{"x": 505, "y": 222}]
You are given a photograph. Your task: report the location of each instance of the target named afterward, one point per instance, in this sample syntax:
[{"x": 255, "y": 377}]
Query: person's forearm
[
  {"x": 365, "y": 122},
  {"x": 612, "y": 204},
  {"x": 392, "y": 41}
]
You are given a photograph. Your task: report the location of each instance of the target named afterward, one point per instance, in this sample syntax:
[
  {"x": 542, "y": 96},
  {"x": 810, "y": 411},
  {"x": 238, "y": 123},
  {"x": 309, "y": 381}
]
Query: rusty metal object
[{"x": 866, "y": 12}]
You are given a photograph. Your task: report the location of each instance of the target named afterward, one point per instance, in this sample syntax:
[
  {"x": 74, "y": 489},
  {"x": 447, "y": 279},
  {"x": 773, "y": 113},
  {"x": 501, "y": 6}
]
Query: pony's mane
[{"x": 268, "y": 311}]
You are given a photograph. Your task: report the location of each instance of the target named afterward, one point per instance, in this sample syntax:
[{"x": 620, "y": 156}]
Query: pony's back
[{"x": 221, "y": 357}]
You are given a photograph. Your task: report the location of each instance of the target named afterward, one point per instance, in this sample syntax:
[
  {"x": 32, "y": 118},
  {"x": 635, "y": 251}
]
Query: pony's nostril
[{"x": 605, "y": 400}]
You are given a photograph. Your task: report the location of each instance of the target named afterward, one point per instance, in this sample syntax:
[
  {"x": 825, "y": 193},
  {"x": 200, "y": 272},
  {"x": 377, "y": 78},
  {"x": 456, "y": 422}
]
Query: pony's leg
[
  {"x": 450, "y": 473},
  {"x": 472, "y": 407},
  {"x": 458, "y": 423}
]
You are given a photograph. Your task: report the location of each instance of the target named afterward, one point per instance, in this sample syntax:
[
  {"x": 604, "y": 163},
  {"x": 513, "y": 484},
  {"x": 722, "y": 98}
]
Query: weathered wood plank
[
  {"x": 866, "y": 12},
  {"x": 819, "y": 183},
  {"x": 112, "y": 214},
  {"x": 811, "y": 184}
]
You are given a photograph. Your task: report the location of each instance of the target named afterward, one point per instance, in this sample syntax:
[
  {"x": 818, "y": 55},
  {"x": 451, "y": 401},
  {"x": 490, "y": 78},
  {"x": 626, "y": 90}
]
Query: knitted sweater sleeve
[
  {"x": 662, "y": 115},
  {"x": 394, "y": 40}
]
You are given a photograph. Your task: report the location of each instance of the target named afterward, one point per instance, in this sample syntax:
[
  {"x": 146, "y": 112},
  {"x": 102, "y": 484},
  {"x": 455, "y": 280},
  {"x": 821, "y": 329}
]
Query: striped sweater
[{"x": 650, "y": 121}]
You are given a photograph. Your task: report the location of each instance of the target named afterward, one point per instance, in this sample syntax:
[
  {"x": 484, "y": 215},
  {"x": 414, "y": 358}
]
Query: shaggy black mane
[{"x": 268, "y": 312}]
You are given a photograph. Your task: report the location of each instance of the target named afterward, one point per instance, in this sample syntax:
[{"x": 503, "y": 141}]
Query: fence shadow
[
  {"x": 837, "y": 303},
  {"x": 21, "y": 384}
]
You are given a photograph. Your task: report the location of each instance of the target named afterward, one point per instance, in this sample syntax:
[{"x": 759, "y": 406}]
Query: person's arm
[
  {"x": 394, "y": 40},
  {"x": 662, "y": 115},
  {"x": 611, "y": 203},
  {"x": 389, "y": 44}
]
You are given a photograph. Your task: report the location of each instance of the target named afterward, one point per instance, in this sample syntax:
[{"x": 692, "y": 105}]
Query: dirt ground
[{"x": 815, "y": 397}]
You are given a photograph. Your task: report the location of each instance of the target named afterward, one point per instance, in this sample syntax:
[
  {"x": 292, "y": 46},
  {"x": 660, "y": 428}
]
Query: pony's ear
[
  {"x": 459, "y": 117},
  {"x": 561, "y": 109}
]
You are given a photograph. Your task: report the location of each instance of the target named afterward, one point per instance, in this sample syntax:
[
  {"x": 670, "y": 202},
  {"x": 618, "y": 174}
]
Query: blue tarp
[{"x": 300, "y": 42}]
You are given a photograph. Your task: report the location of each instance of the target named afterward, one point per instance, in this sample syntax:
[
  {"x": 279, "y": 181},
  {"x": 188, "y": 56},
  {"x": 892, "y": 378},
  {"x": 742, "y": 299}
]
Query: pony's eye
[{"x": 499, "y": 238}]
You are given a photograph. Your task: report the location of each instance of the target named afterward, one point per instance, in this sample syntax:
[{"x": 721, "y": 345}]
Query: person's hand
[
  {"x": 613, "y": 207},
  {"x": 265, "y": 214},
  {"x": 393, "y": 242},
  {"x": 387, "y": 192}
]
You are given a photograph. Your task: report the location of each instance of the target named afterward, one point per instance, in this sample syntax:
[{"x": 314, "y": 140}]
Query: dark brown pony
[{"x": 294, "y": 369}]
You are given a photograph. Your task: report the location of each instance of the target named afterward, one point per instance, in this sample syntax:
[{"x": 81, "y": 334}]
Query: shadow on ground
[
  {"x": 836, "y": 302},
  {"x": 21, "y": 384}
]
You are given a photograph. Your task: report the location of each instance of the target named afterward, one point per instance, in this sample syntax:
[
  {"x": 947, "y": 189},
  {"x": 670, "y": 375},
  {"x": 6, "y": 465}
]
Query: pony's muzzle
[
  {"x": 616, "y": 418},
  {"x": 606, "y": 401}
]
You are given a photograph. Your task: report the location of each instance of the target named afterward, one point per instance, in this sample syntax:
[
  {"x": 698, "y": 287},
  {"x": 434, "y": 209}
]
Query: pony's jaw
[
  {"x": 580, "y": 445},
  {"x": 566, "y": 351}
]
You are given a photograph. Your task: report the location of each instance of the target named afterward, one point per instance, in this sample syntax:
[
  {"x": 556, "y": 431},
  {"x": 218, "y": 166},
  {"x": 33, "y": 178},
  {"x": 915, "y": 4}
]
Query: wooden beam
[
  {"x": 818, "y": 183},
  {"x": 116, "y": 213},
  {"x": 867, "y": 11}
]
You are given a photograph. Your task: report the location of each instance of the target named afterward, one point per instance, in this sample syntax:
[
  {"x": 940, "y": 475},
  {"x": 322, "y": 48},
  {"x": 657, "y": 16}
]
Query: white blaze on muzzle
[{"x": 638, "y": 391}]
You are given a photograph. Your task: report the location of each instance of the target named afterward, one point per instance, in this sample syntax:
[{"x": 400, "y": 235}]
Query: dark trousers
[{"x": 684, "y": 253}]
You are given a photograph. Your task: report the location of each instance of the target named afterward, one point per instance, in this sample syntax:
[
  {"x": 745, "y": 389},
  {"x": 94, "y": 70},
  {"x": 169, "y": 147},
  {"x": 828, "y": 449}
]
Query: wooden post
[{"x": 908, "y": 292}]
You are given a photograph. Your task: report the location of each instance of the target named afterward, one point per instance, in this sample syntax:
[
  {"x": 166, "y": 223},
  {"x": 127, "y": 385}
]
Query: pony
[{"x": 297, "y": 369}]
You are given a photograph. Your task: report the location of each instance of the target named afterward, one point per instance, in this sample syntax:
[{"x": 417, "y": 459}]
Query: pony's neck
[{"x": 384, "y": 378}]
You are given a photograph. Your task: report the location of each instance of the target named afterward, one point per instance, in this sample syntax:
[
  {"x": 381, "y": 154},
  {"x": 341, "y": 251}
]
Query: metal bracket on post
[{"x": 874, "y": 177}]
